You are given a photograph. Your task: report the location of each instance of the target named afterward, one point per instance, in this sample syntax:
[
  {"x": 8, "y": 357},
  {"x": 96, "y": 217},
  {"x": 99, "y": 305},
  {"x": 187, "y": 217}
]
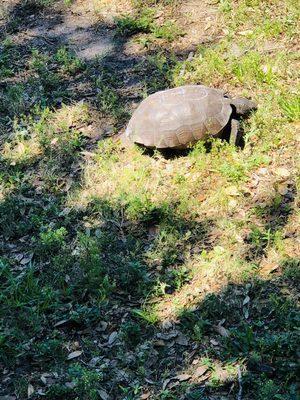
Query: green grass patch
[{"x": 144, "y": 22}]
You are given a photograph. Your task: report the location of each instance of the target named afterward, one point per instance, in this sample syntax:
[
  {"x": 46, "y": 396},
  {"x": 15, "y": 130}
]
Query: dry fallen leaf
[
  {"x": 246, "y": 300},
  {"x": 173, "y": 384},
  {"x": 30, "y": 390},
  {"x": 70, "y": 385},
  {"x": 182, "y": 340},
  {"x": 159, "y": 343},
  {"x": 102, "y": 326},
  {"x": 269, "y": 267},
  {"x": 112, "y": 337},
  {"x": 74, "y": 354},
  {"x": 232, "y": 203},
  {"x": 221, "y": 330},
  {"x": 103, "y": 394},
  {"x": 282, "y": 188},
  {"x": 167, "y": 336},
  {"x": 44, "y": 378},
  {"x": 166, "y": 325},
  {"x": 145, "y": 396},
  {"x": 62, "y": 322},
  {"x": 153, "y": 231},
  {"x": 26, "y": 259},
  {"x": 282, "y": 173},
  {"x": 232, "y": 191},
  {"x": 166, "y": 382},
  {"x": 200, "y": 371},
  {"x": 182, "y": 377}
]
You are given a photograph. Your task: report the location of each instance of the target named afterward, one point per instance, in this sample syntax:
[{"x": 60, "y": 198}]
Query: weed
[
  {"x": 146, "y": 314},
  {"x": 131, "y": 333},
  {"x": 68, "y": 61},
  {"x": 225, "y": 6},
  {"x": 290, "y": 107},
  {"x": 269, "y": 390},
  {"x": 39, "y": 3},
  {"x": 166, "y": 395},
  {"x": 26, "y": 301},
  {"x": 144, "y": 22},
  {"x": 87, "y": 382},
  {"x": 291, "y": 268},
  {"x": 14, "y": 100},
  {"x": 259, "y": 239},
  {"x": 160, "y": 69},
  {"x": 49, "y": 350},
  {"x": 168, "y": 31},
  {"x": 179, "y": 277},
  {"x": 51, "y": 241},
  {"x": 109, "y": 100},
  {"x": 39, "y": 61},
  {"x": 7, "y": 52}
]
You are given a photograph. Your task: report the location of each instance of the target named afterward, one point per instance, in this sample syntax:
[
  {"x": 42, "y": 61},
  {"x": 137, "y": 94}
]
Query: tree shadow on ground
[
  {"x": 252, "y": 325},
  {"x": 89, "y": 284},
  {"x": 82, "y": 274},
  {"x": 127, "y": 72}
]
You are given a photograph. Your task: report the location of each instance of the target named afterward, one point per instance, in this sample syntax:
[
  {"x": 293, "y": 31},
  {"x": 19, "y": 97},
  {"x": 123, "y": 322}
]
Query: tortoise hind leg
[{"x": 234, "y": 137}]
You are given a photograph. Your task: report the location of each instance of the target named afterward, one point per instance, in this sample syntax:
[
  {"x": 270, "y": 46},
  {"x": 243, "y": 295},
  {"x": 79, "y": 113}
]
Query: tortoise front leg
[{"x": 234, "y": 132}]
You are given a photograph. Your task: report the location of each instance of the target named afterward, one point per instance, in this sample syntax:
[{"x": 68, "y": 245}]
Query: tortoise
[{"x": 177, "y": 118}]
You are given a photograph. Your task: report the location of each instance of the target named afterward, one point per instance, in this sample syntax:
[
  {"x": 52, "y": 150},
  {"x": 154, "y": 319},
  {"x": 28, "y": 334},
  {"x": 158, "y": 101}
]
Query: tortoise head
[{"x": 243, "y": 106}]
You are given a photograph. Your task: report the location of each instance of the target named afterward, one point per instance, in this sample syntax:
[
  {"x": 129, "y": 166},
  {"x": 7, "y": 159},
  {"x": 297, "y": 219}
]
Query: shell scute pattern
[{"x": 178, "y": 117}]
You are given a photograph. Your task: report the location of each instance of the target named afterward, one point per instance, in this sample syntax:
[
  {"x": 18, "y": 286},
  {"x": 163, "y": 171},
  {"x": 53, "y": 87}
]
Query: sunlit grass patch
[
  {"x": 139, "y": 182},
  {"x": 290, "y": 105},
  {"x": 216, "y": 64},
  {"x": 104, "y": 8},
  {"x": 210, "y": 272},
  {"x": 21, "y": 151},
  {"x": 262, "y": 19},
  {"x": 47, "y": 131}
]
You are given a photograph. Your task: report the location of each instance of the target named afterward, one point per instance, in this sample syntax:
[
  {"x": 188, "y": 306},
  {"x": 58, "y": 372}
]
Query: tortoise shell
[{"x": 176, "y": 118}]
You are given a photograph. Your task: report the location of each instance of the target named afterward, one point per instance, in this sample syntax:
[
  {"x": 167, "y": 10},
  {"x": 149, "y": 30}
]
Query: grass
[
  {"x": 139, "y": 266},
  {"x": 144, "y": 22}
]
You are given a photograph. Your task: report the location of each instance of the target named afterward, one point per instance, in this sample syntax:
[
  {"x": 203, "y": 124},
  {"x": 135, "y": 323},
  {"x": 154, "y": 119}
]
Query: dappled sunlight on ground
[{"x": 131, "y": 274}]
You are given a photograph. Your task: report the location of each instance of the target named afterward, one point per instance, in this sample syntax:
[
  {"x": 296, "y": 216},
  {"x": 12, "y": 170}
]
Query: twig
[{"x": 239, "y": 396}]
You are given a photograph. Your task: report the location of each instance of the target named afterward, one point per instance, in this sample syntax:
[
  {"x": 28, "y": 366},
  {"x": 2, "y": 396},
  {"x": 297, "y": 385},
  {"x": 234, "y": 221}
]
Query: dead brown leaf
[
  {"x": 221, "y": 330},
  {"x": 182, "y": 377},
  {"x": 200, "y": 371},
  {"x": 112, "y": 337},
  {"x": 145, "y": 396},
  {"x": 74, "y": 354}
]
